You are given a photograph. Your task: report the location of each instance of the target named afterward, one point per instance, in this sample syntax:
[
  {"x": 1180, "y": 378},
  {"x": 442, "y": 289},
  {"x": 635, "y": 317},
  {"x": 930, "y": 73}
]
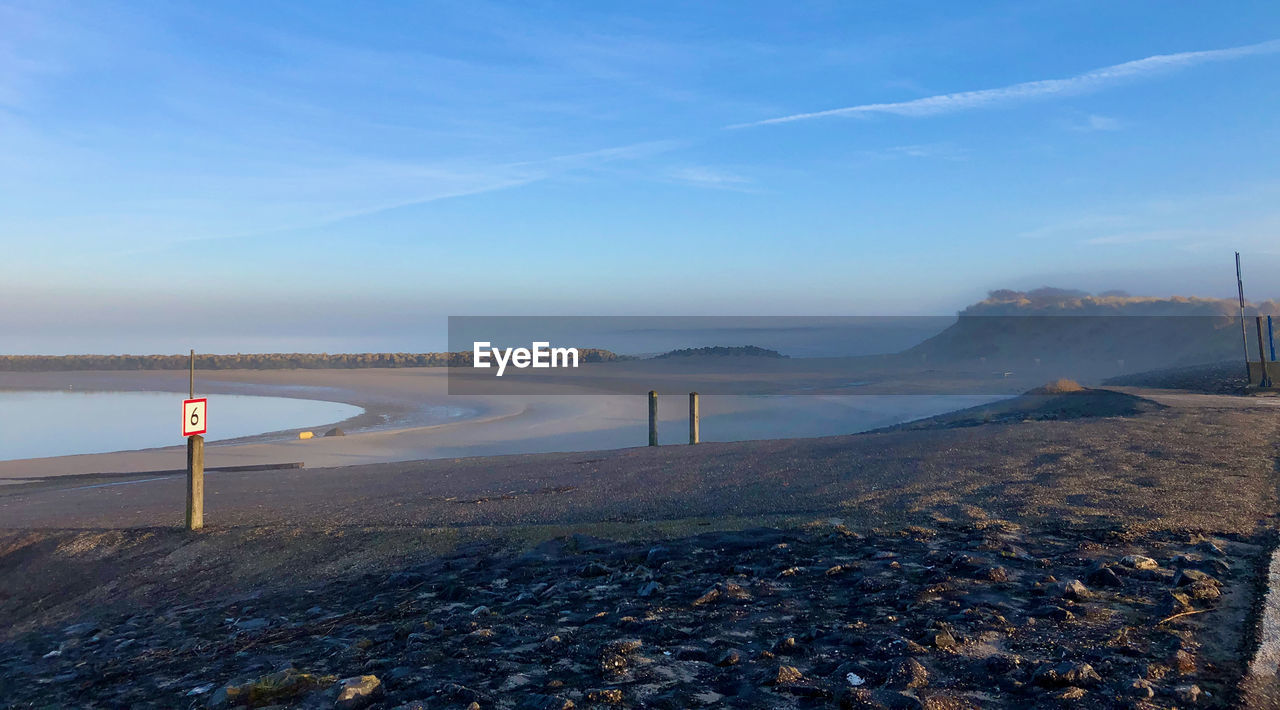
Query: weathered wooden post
[
  {"x": 653, "y": 418},
  {"x": 195, "y": 455},
  {"x": 693, "y": 417},
  {"x": 195, "y": 482}
]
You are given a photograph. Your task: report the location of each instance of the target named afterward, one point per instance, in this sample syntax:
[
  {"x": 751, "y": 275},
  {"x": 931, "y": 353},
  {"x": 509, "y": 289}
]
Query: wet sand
[{"x": 398, "y": 403}]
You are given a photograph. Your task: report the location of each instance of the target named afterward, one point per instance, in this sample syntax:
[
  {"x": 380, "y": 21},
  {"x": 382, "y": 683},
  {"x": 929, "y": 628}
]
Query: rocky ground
[
  {"x": 1215, "y": 378},
  {"x": 958, "y": 615}
]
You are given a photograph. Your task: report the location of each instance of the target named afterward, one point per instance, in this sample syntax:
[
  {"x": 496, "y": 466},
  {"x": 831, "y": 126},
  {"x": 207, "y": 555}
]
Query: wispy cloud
[
  {"x": 1087, "y": 82},
  {"x": 940, "y": 151},
  {"x": 1157, "y": 235},
  {"x": 715, "y": 178},
  {"x": 362, "y": 189},
  {"x": 1094, "y": 122}
]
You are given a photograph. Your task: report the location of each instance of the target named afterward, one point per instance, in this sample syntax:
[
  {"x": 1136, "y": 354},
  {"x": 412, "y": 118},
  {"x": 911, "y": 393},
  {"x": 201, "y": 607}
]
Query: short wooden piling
[
  {"x": 195, "y": 482},
  {"x": 653, "y": 418},
  {"x": 693, "y": 417}
]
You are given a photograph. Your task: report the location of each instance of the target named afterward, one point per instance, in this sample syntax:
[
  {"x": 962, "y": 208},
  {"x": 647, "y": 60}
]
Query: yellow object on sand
[{"x": 305, "y": 435}]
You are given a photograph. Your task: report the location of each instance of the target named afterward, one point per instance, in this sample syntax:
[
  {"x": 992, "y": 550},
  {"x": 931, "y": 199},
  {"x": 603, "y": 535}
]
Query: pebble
[
  {"x": 357, "y": 692},
  {"x": 1139, "y": 562},
  {"x": 908, "y": 673}
]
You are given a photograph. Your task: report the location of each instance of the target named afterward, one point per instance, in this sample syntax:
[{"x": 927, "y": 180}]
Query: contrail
[{"x": 1072, "y": 86}]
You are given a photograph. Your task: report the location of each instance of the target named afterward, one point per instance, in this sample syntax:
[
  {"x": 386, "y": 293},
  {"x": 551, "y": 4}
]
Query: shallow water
[{"x": 58, "y": 423}]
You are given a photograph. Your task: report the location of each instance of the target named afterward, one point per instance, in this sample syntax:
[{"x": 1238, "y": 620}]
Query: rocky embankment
[{"x": 959, "y": 616}]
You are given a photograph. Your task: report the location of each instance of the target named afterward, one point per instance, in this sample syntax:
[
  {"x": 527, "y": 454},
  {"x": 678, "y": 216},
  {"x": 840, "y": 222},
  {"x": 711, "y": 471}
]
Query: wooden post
[
  {"x": 653, "y": 418},
  {"x": 195, "y": 462},
  {"x": 1263, "y": 380},
  {"x": 195, "y": 482},
  {"x": 693, "y": 417}
]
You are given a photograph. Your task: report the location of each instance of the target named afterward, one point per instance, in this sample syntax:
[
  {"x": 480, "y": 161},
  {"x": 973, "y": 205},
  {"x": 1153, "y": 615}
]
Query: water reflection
[{"x": 58, "y": 423}]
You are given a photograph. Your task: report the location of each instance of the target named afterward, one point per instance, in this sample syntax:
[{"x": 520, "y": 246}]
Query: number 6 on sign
[{"x": 193, "y": 417}]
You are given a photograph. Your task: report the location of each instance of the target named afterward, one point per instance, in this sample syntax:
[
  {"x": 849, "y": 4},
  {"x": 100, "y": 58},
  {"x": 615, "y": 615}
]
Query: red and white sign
[{"x": 193, "y": 411}]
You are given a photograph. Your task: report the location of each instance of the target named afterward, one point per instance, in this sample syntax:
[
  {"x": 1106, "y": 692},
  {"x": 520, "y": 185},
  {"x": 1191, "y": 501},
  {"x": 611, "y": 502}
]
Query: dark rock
[
  {"x": 994, "y": 574},
  {"x": 648, "y": 589},
  {"x": 1187, "y": 694},
  {"x": 730, "y": 657},
  {"x": 1187, "y": 577},
  {"x": 908, "y": 673},
  {"x": 336, "y": 431},
  {"x": 537, "y": 701},
  {"x": 81, "y": 629},
  {"x": 1141, "y": 689},
  {"x": 1203, "y": 591},
  {"x": 1173, "y": 603},
  {"x": 786, "y": 675},
  {"x": 1105, "y": 577},
  {"x": 606, "y": 696},
  {"x": 907, "y": 646},
  {"x": 806, "y": 690},
  {"x": 1139, "y": 562},
  {"x": 656, "y": 556},
  {"x": 883, "y": 699},
  {"x": 1073, "y": 589},
  {"x": 594, "y": 569},
  {"x": 357, "y": 692},
  {"x": 1070, "y": 694},
  {"x": 787, "y": 646},
  {"x": 1211, "y": 548},
  {"x": 1001, "y": 664},
  {"x": 614, "y": 657},
  {"x": 1064, "y": 674},
  {"x": 691, "y": 653},
  {"x": 252, "y": 624},
  {"x": 726, "y": 591}
]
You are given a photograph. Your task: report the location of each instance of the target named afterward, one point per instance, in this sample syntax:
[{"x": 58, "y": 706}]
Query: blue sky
[{"x": 298, "y": 175}]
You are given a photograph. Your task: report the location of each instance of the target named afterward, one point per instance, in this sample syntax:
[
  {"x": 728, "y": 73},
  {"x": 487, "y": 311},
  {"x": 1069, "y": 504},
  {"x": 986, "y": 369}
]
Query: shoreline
[{"x": 393, "y": 426}]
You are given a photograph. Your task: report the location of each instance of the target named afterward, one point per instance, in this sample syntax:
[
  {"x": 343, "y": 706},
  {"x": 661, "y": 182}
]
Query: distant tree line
[
  {"x": 258, "y": 361},
  {"x": 722, "y": 351}
]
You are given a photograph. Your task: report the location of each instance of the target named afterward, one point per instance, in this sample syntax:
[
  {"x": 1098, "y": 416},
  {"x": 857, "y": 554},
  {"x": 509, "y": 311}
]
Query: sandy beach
[{"x": 398, "y": 403}]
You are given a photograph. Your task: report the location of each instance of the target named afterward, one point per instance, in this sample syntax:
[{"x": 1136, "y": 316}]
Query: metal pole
[
  {"x": 693, "y": 417},
  {"x": 653, "y": 418},
  {"x": 1264, "y": 380},
  {"x": 1244, "y": 335},
  {"x": 191, "y": 383},
  {"x": 1271, "y": 339}
]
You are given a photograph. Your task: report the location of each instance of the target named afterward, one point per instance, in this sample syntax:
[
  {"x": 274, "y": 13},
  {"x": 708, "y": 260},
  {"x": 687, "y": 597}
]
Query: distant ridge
[
  {"x": 1064, "y": 326},
  {"x": 258, "y": 361},
  {"x": 722, "y": 351}
]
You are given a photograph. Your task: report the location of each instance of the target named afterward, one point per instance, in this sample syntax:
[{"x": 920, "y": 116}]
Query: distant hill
[
  {"x": 722, "y": 351},
  {"x": 1067, "y": 327},
  {"x": 258, "y": 361}
]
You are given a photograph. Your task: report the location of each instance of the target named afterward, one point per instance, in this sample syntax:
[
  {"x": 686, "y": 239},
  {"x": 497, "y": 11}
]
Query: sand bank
[{"x": 401, "y": 420}]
